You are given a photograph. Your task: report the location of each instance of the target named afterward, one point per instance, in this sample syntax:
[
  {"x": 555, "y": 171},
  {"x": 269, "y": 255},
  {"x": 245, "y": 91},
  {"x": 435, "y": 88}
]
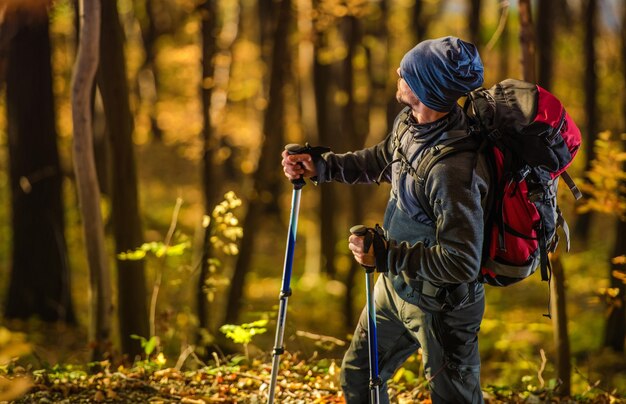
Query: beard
[{"x": 400, "y": 98}]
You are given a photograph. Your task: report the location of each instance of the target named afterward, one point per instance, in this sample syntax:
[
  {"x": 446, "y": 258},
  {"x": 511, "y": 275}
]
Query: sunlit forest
[{"x": 144, "y": 210}]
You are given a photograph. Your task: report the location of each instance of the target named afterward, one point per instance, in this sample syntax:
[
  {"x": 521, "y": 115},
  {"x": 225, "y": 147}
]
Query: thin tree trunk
[
  {"x": 615, "y": 330},
  {"x": 86, "y": 179},
  {"x": 545, "y": 42},
  {"x": 420, "y": 24},
  {"x": 545, "y": 39},
  {"x": 267, "y": 175},
  {"x": 149, "y": 71},
  {"x": 356, "y": 139},
  {"x": 504, "y": 50},
  {"x": 322, "y": 78},
  {"x": 558, "y": 299},
  {"x": 590, "y": 11},
  {"x": 559, "y": 321},
  {"x": 40, "y": 273},
  {"x": 208, "y": 13},
  {"x": 527, "y": 41},
  {"x": 474, "y": 22},
  {"x": 127, "y": 228}
]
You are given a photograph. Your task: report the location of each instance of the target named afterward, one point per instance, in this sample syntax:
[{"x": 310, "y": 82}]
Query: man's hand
[
  {"x": 298, "y": 165},
  {"x": 357, "y": 246},
  {"x": 369, "y": 247}
]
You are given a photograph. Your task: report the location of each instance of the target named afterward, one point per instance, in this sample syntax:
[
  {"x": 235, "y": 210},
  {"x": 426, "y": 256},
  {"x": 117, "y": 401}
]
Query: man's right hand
[{"x": 298, "y": 165}]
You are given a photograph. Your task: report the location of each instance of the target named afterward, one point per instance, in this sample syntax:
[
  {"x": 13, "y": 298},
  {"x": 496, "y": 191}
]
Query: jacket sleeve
[
  {"x": 359, "y": 167},
  {"x": 458, "y": 195}
]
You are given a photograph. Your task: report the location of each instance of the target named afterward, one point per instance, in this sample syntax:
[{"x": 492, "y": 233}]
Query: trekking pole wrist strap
[
  {"x": 314, "y": 151},
  {"x": 373, "y": 237}
]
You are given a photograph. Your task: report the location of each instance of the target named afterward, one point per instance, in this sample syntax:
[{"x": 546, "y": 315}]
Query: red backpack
[{"x": 529, "y": 141}]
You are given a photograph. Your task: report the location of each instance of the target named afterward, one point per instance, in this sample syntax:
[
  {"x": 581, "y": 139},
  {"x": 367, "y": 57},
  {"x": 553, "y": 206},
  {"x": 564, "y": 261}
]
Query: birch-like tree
[{"x": 86, "y": 179}]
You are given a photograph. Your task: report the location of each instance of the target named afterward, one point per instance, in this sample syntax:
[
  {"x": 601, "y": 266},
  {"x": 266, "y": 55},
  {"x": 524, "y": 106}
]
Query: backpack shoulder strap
[
  {"x": 462, "y": 141},
  {"x": 401, "y": 124}
]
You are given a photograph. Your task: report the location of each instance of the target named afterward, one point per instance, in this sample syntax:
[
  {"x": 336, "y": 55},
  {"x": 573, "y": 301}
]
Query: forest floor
[{"x": 299, "y": 381}]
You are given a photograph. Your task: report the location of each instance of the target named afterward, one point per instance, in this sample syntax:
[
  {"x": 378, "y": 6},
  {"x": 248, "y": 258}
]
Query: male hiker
[{"x": 429, "y": 296}]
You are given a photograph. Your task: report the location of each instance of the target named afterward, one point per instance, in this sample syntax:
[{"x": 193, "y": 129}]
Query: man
[{"x": 429, "y": 297}]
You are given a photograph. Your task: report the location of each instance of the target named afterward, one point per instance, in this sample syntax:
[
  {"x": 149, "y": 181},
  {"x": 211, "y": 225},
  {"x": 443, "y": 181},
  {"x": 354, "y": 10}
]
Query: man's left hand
[{"x": 357, "y": 245}]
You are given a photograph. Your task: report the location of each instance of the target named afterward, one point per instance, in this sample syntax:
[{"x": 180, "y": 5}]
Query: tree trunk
[
  {"x": 86, "y": 179},
  {"x": 355, "y": 136},
  {"x": 8, "y": 28},
  {"x": 149, "y": 71},
  {"x": 131, "y": 279},
  {"x": 545, "y": 39},
  {"x": 210, "y": 188},
  {"x": 583, "y": 224},
  {"x": 559, "y": 321},
  {"x": 267, "y": 175},
  {"x": 558, "y": 299},
  {"x": 527, "y": 41},
  {"x": 328, "y": 135},
  {"x": 504, "y": 50},
  {"x": 545, "y": 42},
  {"x": 474, "y": 22},
  {"x": 615, "y": 330},
  {"x": 40, "y": 273},
  {"x": 420, "y": 24}
]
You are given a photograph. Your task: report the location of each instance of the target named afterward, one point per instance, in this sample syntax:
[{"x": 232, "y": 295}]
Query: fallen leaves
[{"x": 299, "y": 381}]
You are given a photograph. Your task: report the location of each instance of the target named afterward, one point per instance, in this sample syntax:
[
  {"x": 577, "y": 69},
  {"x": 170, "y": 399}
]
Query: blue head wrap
[{"x": 439, "y": 71}]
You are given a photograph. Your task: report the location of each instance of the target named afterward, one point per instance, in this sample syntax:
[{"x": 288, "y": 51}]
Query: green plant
[
  {"x": 225, "y": 232},
  {"x": 148, "y": 345},
  {"x": 243, "y": 334}
]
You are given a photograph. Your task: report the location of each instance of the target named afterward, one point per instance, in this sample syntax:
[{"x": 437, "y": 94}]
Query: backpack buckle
[
  {"x": 522, "y": 173},
  {"x": 536, "y": 195},
  {"x": 494, "y": 135}
]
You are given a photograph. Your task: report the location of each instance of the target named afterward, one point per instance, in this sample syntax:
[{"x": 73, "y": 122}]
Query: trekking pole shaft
[
  {"x": 372, "y": 339},
  {"x": 285, "y": 290}
]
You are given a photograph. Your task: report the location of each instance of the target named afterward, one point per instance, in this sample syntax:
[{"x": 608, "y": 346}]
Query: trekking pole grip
[
  {"x": 358, "y": 230},
  {"x": 294, "y": 148},
  {"x": 362, "y": 231}
]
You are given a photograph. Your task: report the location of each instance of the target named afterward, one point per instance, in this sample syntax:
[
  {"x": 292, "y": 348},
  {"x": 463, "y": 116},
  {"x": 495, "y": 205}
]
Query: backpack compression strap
[{"x": 571, "y": 185}]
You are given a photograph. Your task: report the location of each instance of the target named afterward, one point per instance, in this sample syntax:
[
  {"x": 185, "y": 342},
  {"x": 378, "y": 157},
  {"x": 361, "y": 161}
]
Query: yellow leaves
[
  {"x": 12, "y": 346},
  {"x": 609, "y": 292},
  {"x": 160, "y": 359},
  {"x": 606, "y": 178},
  {"x": 619, "y": 275},
  {"x": 232, "y": 199},
  {"x": 619, "y": 260},
  {"x": 226, "y": 232}
]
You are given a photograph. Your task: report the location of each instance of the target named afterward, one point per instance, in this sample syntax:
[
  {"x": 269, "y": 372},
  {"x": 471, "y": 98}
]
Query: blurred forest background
[{"x": 142, "y": 212}]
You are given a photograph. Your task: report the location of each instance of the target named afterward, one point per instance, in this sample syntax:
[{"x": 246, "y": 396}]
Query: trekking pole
[
  {"x": 285, "y": 290},
  {"x": 372, "y": 339}
]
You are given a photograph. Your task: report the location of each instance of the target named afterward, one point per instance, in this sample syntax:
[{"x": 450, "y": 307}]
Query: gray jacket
[{"x": 450, "y": 250}]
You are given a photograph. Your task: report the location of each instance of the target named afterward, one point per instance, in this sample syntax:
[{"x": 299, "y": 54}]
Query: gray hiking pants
[{"x": 449, "y": 342}]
